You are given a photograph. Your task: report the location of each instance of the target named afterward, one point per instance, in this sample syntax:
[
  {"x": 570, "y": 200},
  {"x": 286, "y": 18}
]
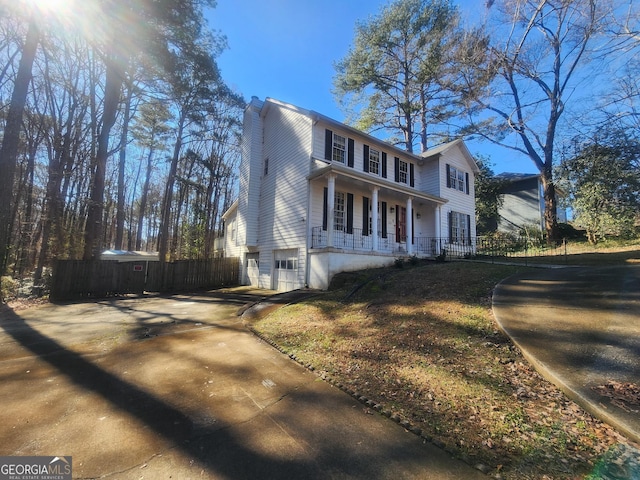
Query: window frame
[
  {"x": 457, "y": 179},
  {"x": 374, "y": 161},
  {"x": 459, "y": 227},
  {"x": 461, "y": 181},
  {"x": 403, "y": 172},
  {"x": 339, "y": 151}
]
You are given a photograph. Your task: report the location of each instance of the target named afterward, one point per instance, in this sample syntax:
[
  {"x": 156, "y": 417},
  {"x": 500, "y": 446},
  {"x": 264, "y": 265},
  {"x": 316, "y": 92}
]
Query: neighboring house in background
[
  {"x": 318, "y": 197},
  {"x": 523, "y": 203}
]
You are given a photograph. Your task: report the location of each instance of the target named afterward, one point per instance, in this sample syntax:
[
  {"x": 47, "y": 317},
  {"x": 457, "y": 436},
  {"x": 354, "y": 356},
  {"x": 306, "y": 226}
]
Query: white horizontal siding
[
  {"x": 457, "y": 201},
  {"x": 359, "y": 142},
  {"x": 283, "y": 195},
  {"x": 428, "y": 179},
  {"x": 250, "y": 170}
]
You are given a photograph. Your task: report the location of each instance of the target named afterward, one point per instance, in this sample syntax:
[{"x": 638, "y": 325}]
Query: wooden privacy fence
[{"x": 74, "y": 279}]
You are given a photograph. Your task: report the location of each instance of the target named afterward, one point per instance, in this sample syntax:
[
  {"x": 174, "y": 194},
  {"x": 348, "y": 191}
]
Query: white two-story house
[{"x": 318, "y": 197}]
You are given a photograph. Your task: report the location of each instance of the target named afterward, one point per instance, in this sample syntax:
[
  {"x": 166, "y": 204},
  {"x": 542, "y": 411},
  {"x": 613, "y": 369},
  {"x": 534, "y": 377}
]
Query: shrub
[
  {"x": 570, "y": 232},
  {"x": 8, "y": 288}
]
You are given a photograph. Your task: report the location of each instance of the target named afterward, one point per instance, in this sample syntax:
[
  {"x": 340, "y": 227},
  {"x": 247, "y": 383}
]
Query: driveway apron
[{"x": 176, "y": 387}]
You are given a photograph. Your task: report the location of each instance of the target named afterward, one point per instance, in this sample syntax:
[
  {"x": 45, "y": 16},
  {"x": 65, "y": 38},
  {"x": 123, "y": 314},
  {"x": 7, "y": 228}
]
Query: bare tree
[
  {"x": 11, "y": 139},
  {"x": 537, "y": 60}
]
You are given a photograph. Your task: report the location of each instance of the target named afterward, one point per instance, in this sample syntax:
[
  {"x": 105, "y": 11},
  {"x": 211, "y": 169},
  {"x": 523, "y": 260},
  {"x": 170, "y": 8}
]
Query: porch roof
[{"x": 365, "y": 180}]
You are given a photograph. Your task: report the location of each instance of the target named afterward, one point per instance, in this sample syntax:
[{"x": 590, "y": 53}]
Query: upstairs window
[
  {"x": 457, "y": 179},
  {"x": 338, "y": 148},
  {"x": 374, "y": 161},
  {"x": 339, "y": 152},
  {"x": 403, "y": 170}
]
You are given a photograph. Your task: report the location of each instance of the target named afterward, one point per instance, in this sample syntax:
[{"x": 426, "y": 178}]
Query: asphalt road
[{"x": 176, "y": 387}]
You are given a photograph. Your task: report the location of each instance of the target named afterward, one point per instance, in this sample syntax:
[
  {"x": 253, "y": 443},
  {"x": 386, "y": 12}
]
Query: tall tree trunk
[
  {"x": 134, "y": 188},
  {"x": 23, "y": 261},
  {"x": 121, "y": 167},
  {"x": 143, "y": 198},
  {"x": 550, "y": 206},
  {"x": 94, "y": 227},
  {"x": 165, "y": 214},
  {"x": 11, "y": 140},
  {"x": 423, "y": 121}
]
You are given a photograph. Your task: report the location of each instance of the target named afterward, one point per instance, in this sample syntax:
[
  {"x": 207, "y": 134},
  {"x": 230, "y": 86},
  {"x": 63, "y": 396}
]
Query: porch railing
[
  {"x": 389, "y": 244},
  {"x": 494, "y": 247}
]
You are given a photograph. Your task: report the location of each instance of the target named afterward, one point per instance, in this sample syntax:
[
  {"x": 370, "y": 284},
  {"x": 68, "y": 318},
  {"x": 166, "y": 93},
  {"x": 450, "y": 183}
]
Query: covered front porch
[{"x": 359, "y": 212}]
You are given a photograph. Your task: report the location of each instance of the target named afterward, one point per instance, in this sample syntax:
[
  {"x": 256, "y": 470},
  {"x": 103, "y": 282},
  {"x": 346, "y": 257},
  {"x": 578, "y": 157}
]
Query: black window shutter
[
  {"x": 397, "y": 169},
  {"x": 325, "y": 207},
  {"x": 384, "y": 165},
  {"x": 349, "y": 212},
  {"x": 450, "y": 227},
  {"x": 448, "y": 176},
  {"x": 328, "y": 144},
  {"x": 411, "y": 175},
  {"x": 350, "y": 149},
  {"x": 466, "y": 181},
  {"x": 383, "y": 219},
  {"x": 365, "y": 216},
  {"x": 365, "y": 158},
  {"x": 469, "y": 228}
]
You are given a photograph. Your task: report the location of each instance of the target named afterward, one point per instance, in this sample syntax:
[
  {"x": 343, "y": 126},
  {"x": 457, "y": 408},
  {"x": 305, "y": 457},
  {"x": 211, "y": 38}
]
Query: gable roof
[
  {"x": 230, "y": 210},
  {"x": 510, "y": 178},
  {"x": 315, "y": 117},
  {"x": 516, "y": 177},
  {"x": 445, "y": 147}
]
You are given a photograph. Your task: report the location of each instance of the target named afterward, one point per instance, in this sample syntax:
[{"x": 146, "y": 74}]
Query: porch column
[
  {"x": 374, "y": 218},
  {"x": 331, "y": 203},
  {"x": 438, "y": 243},
  {"x": 409, "y": 225}
]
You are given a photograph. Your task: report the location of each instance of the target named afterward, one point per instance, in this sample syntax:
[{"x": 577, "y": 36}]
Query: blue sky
[{"x": 286, "y": 49}]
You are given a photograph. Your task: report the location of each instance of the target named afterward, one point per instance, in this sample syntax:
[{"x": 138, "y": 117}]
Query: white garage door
[{"x": 285, "y": 272}]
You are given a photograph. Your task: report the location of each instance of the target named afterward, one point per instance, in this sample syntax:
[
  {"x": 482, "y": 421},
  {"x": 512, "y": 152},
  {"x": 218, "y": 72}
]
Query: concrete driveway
[
  {"x": 176, "y": 387},
  {"x": 580, "y": 327}
]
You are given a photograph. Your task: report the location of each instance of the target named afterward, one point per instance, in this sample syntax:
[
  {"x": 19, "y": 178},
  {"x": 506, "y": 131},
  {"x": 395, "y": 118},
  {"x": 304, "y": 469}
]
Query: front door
[{"x": 401, "y": 224}]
